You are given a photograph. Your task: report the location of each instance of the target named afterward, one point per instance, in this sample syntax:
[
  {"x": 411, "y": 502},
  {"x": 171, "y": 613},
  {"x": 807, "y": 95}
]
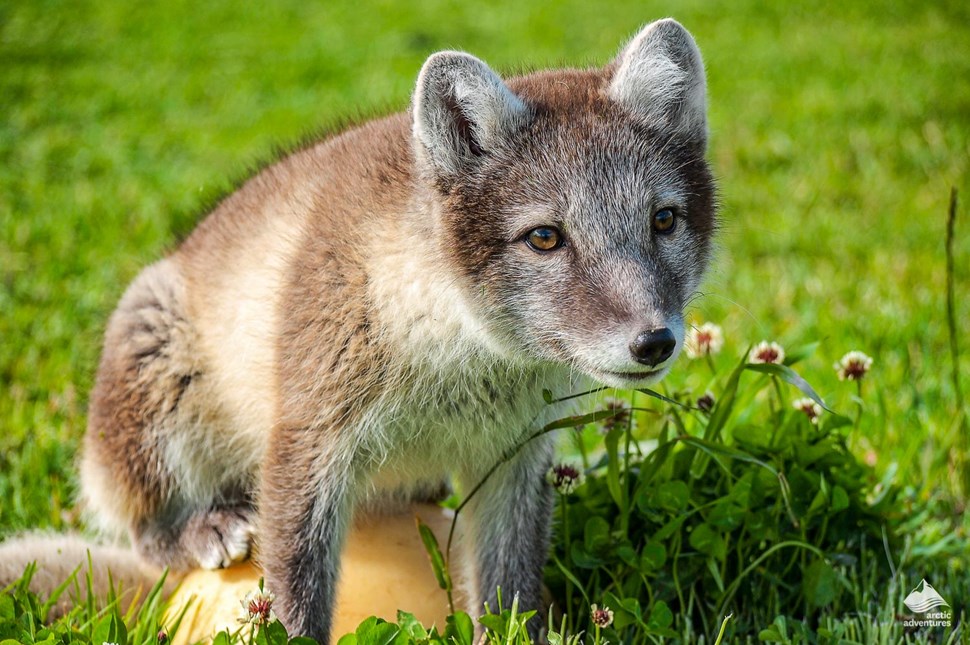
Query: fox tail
[{"x": 59, "y": 557}]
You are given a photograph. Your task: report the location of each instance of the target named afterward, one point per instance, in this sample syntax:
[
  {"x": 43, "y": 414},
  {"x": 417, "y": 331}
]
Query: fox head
[{"x": 576, "y": 207}]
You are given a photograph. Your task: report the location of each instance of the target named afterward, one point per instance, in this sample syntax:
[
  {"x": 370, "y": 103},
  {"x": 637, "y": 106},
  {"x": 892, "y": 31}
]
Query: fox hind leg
[{"x": 148, "y": 463}]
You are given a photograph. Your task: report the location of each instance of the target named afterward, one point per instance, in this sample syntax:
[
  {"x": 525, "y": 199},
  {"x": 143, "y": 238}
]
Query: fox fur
[
  {"x": 372, "y": 314},
  {"x": 59, "y": 557}
]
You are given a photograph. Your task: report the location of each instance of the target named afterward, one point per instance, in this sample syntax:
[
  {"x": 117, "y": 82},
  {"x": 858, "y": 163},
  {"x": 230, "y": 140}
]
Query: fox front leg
[
  {"x": 509, "y": 531},
  {"x": 305, "y": 507}
]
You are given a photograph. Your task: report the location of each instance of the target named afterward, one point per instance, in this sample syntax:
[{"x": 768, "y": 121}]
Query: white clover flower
[
  {"x": 705, "y": 340},
  {"x": 811, "y": 409},
  {"x": 765, "y": 352},
  {"x": 565, "y": 478},
  {"x": 601, "y": 617},
  {"x": 853, "y": 366},
  {"x": 258, "y": 608}
]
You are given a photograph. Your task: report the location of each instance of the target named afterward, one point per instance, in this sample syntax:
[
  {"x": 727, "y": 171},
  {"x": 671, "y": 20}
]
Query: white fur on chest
[
  {"x": 464, "y": 419},
  {"x": 455, "y": 399}
]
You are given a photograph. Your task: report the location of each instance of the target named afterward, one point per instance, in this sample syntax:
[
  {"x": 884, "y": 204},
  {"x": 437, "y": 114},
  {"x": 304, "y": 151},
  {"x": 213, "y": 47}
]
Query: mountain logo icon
[{"x": 924, "y": 598}]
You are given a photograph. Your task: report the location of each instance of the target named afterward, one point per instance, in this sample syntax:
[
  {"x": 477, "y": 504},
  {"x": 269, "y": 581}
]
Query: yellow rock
[{"x": 384, "y": 568}]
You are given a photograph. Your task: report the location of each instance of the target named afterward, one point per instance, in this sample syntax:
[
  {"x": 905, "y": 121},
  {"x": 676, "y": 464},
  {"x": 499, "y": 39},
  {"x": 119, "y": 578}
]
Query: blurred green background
[{"x": 837, "y": 132}]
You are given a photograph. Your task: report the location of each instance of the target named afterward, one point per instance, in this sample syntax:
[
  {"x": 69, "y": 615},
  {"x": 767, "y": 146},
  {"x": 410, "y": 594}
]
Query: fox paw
[{"x": 217, "y": 538}]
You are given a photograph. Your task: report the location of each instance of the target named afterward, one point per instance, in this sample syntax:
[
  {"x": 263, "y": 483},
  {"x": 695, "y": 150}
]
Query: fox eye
[
  {"x": 664, "y": 221},
  {"x": 544, "y": 238}
]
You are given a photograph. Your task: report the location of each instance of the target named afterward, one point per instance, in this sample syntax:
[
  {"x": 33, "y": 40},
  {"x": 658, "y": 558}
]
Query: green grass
[{"x": 838, "y": 130}]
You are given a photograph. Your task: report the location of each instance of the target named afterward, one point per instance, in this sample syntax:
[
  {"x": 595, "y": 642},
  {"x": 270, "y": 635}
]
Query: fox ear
[
  {"x": 461, "y": 109},
  {"x": 659, "y": 75}
]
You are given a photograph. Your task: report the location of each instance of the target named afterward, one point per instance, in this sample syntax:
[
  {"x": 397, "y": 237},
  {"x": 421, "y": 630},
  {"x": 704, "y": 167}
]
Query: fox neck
[{"x": 425, "y": 311}]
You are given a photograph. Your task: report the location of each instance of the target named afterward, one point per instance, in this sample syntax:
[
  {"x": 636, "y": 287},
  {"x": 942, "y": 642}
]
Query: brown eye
[
  {"x": 544, "y": 238},
  {"x": 664, "y": 221}
]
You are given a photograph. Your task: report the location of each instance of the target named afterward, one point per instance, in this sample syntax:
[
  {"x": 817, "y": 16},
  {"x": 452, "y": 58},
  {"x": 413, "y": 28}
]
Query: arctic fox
[{"x": 381, "y": 310}]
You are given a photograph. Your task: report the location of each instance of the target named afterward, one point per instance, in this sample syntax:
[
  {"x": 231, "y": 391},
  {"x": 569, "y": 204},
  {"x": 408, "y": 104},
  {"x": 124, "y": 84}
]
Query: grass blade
[{"x": 790, "y": 376}]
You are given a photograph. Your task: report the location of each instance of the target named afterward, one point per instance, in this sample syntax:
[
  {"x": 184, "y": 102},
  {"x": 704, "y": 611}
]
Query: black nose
[{"x": 653, "y": 347}]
